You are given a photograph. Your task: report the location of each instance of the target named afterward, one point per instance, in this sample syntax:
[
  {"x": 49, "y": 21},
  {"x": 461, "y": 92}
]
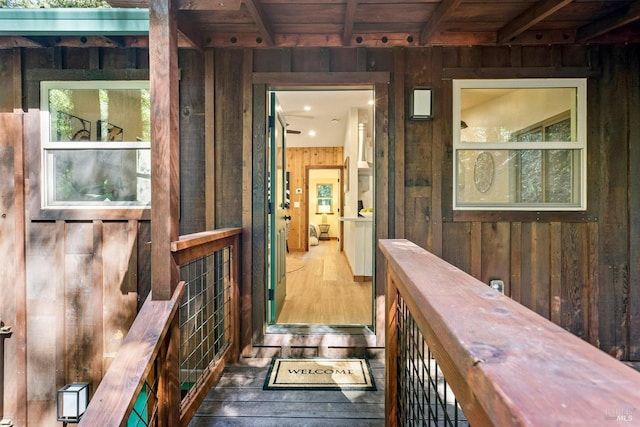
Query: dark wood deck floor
[{"x": 239, "y": 400}]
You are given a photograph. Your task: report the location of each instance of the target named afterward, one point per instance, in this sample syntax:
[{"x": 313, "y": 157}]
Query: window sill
[{"x": 84, "y": 214}]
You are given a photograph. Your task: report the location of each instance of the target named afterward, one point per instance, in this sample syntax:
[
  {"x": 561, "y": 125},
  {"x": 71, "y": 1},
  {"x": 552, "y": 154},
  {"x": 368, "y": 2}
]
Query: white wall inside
[{"x": 325, "y": 176}]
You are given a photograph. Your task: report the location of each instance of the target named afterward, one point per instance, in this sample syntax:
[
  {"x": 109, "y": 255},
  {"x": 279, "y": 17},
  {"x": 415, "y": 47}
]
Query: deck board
[{"x": 239, "y": 400}]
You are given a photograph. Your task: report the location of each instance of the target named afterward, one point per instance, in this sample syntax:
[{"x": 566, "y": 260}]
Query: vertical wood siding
[
  {"x": 575, "y": 271},
  {"x": 70, "y": 288},
  {"x": 76, "y": 291}
]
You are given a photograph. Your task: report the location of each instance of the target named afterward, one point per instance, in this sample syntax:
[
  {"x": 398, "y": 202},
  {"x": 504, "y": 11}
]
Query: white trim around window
[
  {"x": 95, "y": 146},
  {"x": 520, "y": 144}
]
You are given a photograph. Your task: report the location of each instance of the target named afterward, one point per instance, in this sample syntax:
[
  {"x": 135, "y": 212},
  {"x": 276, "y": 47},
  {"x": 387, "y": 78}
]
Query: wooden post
[
  {"x": 391, "y": 351},
  {"x": 163, "y": 75},
  {"x": 236, "y": 282},
  {"x": 169, "y": 377}
]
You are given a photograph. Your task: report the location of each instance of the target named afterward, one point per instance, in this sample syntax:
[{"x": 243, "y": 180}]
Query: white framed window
[
  {"x": 95, "y": 145},
  {"x": 520, "y": 144},
  {"x": 325, "y": 198}
]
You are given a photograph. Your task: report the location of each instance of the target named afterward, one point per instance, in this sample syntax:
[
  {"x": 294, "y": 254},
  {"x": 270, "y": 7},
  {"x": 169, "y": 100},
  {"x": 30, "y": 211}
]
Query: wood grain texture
[
  {"x": 228, "y": 138},
  {"x": 321, "y": 290},
  {"x": 134, "y": 361},
  {"x": 490, "y": 359},
  {"x": 13, "y": 303},
  {"x": 193, "y": 142},
  {"x": 298, "y": 161},
  {"x": 633, "y": 89},
  {"x": 612, "y": 191},
  {"x": 239, "y": 398},
  {"x": 163, "y": 81}
]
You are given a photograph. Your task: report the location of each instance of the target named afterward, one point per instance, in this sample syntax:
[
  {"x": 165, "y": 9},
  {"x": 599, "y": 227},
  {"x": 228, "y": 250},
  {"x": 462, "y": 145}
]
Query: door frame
[
  {"x": 305, "y": 215},
  {"x": 253, "y": 317}
]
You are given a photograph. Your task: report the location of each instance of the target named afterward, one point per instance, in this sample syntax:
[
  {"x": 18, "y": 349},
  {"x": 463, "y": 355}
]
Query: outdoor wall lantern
[
  {"x": 420, "y": 104},
  {"x": 72, "y": 401}
]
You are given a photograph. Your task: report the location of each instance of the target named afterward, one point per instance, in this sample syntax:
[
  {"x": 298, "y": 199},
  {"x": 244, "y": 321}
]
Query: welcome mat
[{"x": 319, "y": 374}]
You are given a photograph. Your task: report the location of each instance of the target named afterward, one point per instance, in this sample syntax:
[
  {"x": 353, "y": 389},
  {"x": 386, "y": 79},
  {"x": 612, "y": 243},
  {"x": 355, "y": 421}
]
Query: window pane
[
  {"x": 504, "y": 114},
  {"x": 99, "y": 114},
  {"x": 526, "y": 178},
  {"x": 325, "y": 190},
  {"x": 118, "y": 177}
]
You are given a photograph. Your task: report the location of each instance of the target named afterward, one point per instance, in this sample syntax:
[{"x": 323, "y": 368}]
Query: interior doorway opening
[{"x": 329, "y": 165}]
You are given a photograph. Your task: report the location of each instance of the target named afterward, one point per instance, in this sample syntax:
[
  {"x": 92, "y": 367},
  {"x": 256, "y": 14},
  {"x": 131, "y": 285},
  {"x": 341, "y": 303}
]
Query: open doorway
[{"x": 329, "y": 160}]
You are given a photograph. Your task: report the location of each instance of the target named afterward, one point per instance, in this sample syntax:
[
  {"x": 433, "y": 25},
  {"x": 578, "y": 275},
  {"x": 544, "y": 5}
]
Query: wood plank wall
[
  {"x": 72, "y": 292},
  {"x": 297, "y": 161},
  {"x": 572, "y": 268}
]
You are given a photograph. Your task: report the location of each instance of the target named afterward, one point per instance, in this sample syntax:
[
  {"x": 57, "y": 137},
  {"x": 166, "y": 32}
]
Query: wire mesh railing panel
[
  {"x": 145, "y": 409},
  {"x": 424, "y": 397},
  {"x": 205, "y": 313}
]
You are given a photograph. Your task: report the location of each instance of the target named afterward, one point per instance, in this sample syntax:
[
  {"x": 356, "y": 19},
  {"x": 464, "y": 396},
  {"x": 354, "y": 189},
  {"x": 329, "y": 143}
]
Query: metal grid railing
[
  {"x": 424, "y": 397},
  {"x": 205, "y": 312},
  {"x": 145, "y": 410}
]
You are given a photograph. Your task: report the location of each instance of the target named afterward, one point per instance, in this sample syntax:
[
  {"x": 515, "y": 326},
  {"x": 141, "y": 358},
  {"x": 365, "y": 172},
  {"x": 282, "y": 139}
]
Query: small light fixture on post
[
  {"x": 420, "y": 104},
  {"x": 72, "y": 401}
]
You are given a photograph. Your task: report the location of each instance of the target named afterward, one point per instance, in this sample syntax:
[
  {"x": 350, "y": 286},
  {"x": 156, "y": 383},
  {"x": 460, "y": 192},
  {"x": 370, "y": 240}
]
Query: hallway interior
[{"x": 321, "y": 290}]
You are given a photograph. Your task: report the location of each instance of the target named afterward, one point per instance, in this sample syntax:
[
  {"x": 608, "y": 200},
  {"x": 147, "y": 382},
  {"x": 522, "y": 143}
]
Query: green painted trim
[{"x": 74, "y": 22}]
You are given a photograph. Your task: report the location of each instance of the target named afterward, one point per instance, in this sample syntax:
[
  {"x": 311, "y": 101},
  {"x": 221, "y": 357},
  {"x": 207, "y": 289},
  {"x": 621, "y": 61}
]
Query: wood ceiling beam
[
  {"x": 622, "y": 17},
  {"x": 349, "y": 18},
  {"x": 182, "y": 4},
  {"x": 189, "y": 39},
  {"x": 441, "y": 13},
  {"x": 529, "y": 18},
  {"x": 210, "y": 4},
  {"x": 255, "y": 9},
  {"x": 17, "y": 41},
  {"x": 84, "y": 41}
]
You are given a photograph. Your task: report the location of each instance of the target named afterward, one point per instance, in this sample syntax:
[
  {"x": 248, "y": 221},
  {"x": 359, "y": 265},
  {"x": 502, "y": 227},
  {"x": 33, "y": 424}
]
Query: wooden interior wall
[{"x": 297, "y": 161}]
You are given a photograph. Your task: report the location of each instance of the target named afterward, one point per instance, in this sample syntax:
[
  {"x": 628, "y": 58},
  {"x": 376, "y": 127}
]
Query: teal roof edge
[{"x": 74, "y": 22}]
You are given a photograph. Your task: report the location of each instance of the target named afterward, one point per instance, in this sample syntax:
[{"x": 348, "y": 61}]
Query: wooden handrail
[
  {"x": 192, "y": 246},
  {"x": 155, "y": 337},
  {"x": 117, "y": 392},
  {"x": 506, "y": 364}
]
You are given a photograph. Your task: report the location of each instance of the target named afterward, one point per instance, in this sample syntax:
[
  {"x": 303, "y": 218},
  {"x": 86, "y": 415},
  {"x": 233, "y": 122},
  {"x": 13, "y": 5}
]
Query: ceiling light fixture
[
  {"x": 307, "y": 108},
  {"x": 312, "y": 133}
]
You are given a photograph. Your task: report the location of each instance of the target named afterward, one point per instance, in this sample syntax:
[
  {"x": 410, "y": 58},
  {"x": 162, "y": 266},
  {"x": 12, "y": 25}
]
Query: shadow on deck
[{"x": 239, "y": 400}]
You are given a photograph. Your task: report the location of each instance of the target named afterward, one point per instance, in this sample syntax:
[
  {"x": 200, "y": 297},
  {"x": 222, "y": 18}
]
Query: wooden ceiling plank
[
  {"x": 626, "y": 15},
  {"x": 349, "y": 18},
  {"x": 536, "y": 13},
  {"x": 442, "y": 12},
  {"x": 255, "y": 9}
]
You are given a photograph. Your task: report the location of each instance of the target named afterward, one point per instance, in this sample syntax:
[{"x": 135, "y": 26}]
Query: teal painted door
[{"x": 277, "y": 199}]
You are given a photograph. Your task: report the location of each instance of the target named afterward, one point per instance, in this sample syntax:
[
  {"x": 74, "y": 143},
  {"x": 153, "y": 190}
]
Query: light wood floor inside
[{"x": 321, "y": 290}]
